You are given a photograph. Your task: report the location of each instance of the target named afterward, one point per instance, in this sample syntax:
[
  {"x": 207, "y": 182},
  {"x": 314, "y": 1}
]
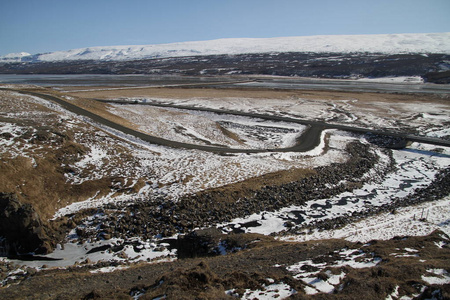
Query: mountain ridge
[{"x": 376, "y": 43}]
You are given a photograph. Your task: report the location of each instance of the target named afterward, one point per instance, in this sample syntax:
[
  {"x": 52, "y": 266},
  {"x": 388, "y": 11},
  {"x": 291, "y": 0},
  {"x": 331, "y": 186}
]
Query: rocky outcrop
[
  {"x": 159, "y": 216},
  {"x": 21, "y": 228},
  {"x": 438, "y": 189},
  {"x": 199, "y": 243},
  {"x": 385, "y": 141}
]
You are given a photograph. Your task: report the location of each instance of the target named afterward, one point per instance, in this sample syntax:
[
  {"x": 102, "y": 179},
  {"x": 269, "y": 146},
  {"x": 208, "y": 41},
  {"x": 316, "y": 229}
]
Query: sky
[{"x": 39, "y": 26}]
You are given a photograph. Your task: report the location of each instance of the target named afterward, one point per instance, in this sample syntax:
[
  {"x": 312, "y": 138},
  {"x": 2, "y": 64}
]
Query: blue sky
[{"x": 38, "y": 26}]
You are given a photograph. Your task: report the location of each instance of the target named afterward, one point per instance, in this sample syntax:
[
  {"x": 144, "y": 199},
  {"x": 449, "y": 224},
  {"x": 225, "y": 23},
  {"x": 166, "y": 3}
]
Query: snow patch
[
  {"x": 415, "y": 170},
  {"x": 272, "y": 291},
  {"x": 438, "y": 277},
  {"x": 348, "y": 257}
]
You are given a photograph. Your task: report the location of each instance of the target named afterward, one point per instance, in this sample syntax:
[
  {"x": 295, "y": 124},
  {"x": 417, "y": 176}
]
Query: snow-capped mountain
[
  {"x": 14, "y": 56},
  {"x": 381, "y": 43}
]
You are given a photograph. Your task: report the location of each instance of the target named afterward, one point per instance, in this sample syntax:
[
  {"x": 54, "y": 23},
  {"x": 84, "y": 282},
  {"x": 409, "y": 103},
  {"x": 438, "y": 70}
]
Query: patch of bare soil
[
  {"x": 402, "y": 267},
  {"x": 248, "y": 187}
]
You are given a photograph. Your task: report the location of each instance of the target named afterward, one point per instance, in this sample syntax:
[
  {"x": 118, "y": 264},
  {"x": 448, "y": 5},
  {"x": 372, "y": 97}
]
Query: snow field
[
  {"x": 208, "y": 128},
  {"x": 418, "y": 116},
  {"x": 376, "y": 43},
  {"x": 174, "y": 173},
  {"x": 272, "y": 291},
  {"x": 415, "y": 169},
  {"x": 387, "y": 226}
]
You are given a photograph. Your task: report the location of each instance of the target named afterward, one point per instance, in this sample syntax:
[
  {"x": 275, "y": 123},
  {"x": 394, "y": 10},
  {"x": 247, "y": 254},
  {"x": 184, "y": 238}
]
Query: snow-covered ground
[
  {"x": 356, "y": 259},
  {"x": 405, "y": 221},
  {"x": 209, "y": 128},
  {"x": 396, "y": 80},
  {"x": 419, "y": 116},
  {"x": 377, "y": 43},
  {"x": 176, "y": 172},
  {"x": 70, "y": 254},
  {"x": 271, "y": 291},
  {"x": 415, "y": 169},
  {"x": 166, "y": 171}
]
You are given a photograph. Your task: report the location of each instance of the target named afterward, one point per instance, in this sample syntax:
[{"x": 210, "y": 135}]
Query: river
[{"x": 271, "y": 82}]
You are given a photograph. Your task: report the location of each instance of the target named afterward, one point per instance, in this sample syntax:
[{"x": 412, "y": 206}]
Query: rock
[
  {"x": 22, "y": 227},
  {"x": 106, "y": 236},
  {"x": 199, "y": 243},
  {"x": 442, "y": 77},
  {"x": 31, "y": 271},
  {"x": 123, "y": 255}
]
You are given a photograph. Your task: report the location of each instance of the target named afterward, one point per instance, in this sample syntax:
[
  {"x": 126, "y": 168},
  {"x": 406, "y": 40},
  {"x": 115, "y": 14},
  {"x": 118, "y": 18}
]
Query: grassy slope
[{"x": 210, "y": 277}]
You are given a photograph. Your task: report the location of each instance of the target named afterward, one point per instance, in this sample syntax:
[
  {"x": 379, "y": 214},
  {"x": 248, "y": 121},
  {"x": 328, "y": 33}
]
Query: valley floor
[{"x": 127, "y": 218}]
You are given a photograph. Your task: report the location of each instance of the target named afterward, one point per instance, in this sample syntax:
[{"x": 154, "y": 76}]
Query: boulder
[
  {"x": 21, "y": 227},
  {"x": 199, "y": 243}
]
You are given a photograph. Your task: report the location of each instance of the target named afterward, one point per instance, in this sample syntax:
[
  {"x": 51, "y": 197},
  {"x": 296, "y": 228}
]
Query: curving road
[
  {"x": 313, "y": 125},
  {"x": 306, "y": 142}
]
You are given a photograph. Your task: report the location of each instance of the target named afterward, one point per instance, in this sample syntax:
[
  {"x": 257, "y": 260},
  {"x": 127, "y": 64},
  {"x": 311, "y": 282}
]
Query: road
[
  {"x": 306, "y": 142},
  {"x": 314, "y": 126}
]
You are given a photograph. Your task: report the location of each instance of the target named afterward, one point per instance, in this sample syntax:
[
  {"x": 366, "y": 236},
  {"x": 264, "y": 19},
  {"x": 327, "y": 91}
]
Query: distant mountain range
[
  {"x": 380, "y": 43},
  {"x": 339, "y": 56}
]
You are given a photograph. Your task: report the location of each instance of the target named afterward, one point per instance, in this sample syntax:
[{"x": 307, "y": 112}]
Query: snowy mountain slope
[
  {"x": 14, "y": 56},
  {"x": 383, "y": 43}
]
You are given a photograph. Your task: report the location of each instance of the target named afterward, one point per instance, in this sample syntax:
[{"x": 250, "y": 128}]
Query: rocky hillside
[
  {"x": 426, "y": 55},
  {"x": 433, "y": 67}
]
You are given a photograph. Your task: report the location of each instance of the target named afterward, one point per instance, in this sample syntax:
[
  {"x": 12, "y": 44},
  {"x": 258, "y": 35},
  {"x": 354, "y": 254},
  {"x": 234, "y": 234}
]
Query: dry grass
[
  {"x": 99, "y": 108},
  {"x": 42, "y": 183},
  {"x": 229, "y": 134},
  {"x": 210, "y": 277},
  {"x": 34, "y": 166}
]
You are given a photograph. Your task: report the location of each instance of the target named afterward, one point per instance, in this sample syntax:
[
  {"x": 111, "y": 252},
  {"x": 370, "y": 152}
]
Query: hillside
[
  {"x": 121, "y": 216},
  {"x": 425, "y": 55}
]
